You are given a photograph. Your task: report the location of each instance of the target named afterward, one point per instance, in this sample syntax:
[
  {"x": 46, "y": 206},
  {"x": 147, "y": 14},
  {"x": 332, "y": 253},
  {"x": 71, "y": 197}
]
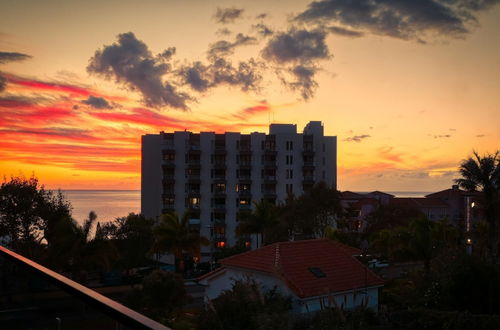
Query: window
[
  {"x": 291, "y": 160},
  {"x": 317, "y": 272}
]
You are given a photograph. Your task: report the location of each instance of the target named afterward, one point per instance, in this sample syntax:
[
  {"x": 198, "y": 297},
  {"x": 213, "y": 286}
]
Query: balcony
[
  {"x": 220, "y": 207},
  {"x": 269, "y": 164},
  {"x": 269, "y": 193},
  {"x": 194, "y": 193},
  {"x": 220, "y": 164},
  {"x": 39, "y": 298},
  {"x": 308, "y": 180},
  {"x": 194, "y": 221},
  {"x": 194, "y": 149},
  {"x": 270, "y": 179},
  {"x": 220, "y": 150}
]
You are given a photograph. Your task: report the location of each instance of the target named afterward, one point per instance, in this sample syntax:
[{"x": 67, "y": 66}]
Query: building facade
[{"x": 217, "y": 176}]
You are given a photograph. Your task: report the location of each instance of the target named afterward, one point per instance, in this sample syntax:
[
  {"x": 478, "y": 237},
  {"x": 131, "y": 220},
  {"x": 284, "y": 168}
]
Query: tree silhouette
[
  {"x": 483, "y": 174},
  {"x": 174, "y": 235}
]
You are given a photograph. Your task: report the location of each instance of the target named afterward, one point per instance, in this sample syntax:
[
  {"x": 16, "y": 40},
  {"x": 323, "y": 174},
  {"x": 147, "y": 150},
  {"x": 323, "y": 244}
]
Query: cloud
[
  {"x": 220, "y": 71},
  {"x": 357, "y": 138},
  {"x": 295, "y": 52},
  {"x": 73, "y": 90},
  {"x": 130, "y": 62},
  {"x": 480, "y": 135},
  {"x": 12, "y": 57},
  {"x": 262, "y": 29},
  {"x": 97, "y": 102},
  {"x": 223, "y": 32},
  {"x": 225, "y": 48},
  {"x": 297, "y": 45},
  {"x": 442, "y": 136},
  {"x": 228, "y": 15},
  {"x": 303, "y": 81},
  {"x": 244, "y": 114},
  {"x": 3, "y": 83},
  {"x": 403, "y": 19},
  {"x": 345, "y": 32}
]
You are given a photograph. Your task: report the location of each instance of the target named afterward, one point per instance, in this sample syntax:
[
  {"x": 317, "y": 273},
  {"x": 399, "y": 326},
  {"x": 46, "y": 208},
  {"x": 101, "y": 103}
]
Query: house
[{"x": 315, "y": 273}]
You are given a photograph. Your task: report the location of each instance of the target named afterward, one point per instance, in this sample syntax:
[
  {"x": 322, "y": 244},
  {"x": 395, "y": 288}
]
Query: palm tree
[
  {"x": 483, "y": 174},
  {"x": 263, "y": 217},
  {"x": 174, "y": 235}
]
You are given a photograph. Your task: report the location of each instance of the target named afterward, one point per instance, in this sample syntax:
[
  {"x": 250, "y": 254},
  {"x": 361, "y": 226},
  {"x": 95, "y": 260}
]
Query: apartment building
[{"x": 217, "y": 176}]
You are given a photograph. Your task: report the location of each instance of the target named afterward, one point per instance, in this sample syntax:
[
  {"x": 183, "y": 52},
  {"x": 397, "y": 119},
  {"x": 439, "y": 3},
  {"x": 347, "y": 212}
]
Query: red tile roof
[{"x": 290, "y": 261}]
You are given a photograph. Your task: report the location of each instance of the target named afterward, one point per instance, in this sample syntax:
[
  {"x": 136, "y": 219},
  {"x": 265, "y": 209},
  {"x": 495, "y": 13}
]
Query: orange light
[
  {"x": 221, "y": 244},
  {"x": 247, "y": 244}
]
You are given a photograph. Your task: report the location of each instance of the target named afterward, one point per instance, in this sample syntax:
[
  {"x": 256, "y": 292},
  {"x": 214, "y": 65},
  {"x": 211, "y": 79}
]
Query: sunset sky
[{"x": 409, "y": 87}]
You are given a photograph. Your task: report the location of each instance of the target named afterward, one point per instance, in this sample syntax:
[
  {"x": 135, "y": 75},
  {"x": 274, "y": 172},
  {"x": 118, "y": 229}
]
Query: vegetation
[
  {"x": 174, "y": 235},
  {"x": 483, "y": 174},
  {"x": 160, "y": 297}
]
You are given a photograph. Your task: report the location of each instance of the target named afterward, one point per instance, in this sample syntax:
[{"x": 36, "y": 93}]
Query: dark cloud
[
  {"x": 220, "y": 71},
  {"x": 303, "y": 81},
  {"x": 12, "y": 57},
  {"x": 295, "y": 52},
  {"x": 263, "y": 30},
  {"x": 404, "y": 19},
  {"x": 480, "y": 135},
  {"x": 97, "y": 102},
  {"x": 261, "y": 16},
  {"x": 224, "y": 48},
  {"x": 443, "y": 136},
  {"x": 223, "y": 32},
  {"x": 296, "y": 46},
  {"x": 228, "y": 15},
  {"x": 345, "y": 32},
  {"x": 129, "y": 61},
  {"x": 3, "y": 83},
  {"x": 357, "y": 138}
]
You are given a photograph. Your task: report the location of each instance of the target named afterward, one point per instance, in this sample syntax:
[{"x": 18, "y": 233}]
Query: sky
[{"x": 410, "y": 88}]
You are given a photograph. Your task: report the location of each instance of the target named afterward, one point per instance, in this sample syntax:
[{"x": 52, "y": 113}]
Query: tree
[
  {"x": 29, "y": 214},
  {"x": 161, "y": 296},
  {"x": 133, "y": 237},
  {"x": 174, "y": 235},
  {"x": 315, "y": 210},
  {"x": 247, "y": 306},
  {"x": 483, "y": 174},
  {"x": 262, "y": 218}
]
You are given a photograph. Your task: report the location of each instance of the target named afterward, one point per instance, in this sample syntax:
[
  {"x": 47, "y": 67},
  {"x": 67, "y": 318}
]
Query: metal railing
[{"x": 124, "y": 315}]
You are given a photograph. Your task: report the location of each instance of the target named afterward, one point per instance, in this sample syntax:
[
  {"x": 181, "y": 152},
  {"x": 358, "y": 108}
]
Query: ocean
[
  {"x": 107, "y": 204},
  {"x": 111, "y": 204}
]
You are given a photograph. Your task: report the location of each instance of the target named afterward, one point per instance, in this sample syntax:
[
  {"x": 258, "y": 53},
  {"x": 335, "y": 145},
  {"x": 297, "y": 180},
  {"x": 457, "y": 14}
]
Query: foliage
[
  {"x": 160, "y": 297},
  {"x": 246, "y": 306},
  {"x": 133, "y": 238},
  {"x": 261, "y": 220},
  {"x": 334, "y": 318},
  {"x": 29, "y": 214},
  {"x": 174, "y": 235},
  {"x": 483, "y": 173}
]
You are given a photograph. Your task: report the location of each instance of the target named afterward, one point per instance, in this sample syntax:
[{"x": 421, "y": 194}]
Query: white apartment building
[{"x": 216, "y": 176}]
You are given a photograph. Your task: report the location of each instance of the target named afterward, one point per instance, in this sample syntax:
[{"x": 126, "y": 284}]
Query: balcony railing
[{"x": 58, "y": 308}]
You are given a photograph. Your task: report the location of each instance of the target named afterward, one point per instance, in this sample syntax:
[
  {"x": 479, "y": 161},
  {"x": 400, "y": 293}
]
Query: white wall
[{"x": 347, "y": 300}]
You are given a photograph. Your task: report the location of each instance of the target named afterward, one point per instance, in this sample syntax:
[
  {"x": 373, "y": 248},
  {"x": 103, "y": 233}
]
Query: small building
[{"x": 315, "y": 273}]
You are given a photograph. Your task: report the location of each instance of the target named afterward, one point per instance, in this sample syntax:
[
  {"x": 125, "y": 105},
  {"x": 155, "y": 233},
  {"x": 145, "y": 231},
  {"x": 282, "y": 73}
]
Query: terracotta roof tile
[{"x": 291, "y": 261}]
